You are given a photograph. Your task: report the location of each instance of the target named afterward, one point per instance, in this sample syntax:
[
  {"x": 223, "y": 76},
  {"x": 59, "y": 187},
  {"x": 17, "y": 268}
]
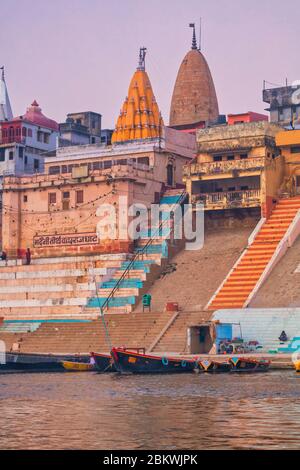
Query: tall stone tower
[{"x": 194, "y": 97}]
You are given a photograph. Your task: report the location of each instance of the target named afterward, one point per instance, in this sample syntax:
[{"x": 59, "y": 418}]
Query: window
[
  {"x": 29, "y": 133},
  {"x": 46, "y": 138},
  {"x": 25, "y": 160},
  {"x": 21, "y": 152},
  {"x": 144, "y": 161},
  {"x": 36, "y": 164},
  {"x": 25, "y": 198},
  {"x": 230, "y": 157},
  {"x": 107, "y": 164},
  {"x": 24, "y": 132},
  {"x": 40, "y": 136},
  {"x": 64, "y": 169},
  {"x": 52, "y": 198},
  {"x": 96, "y": 166},
  {"x": 66, "y": 195},
  {"x": 244, "y": 188},
  {"x": 66, "y": 205},
  {"x": 217, "y": 158},
  {"x": 2, "y": 155},
  {"x": 54, "y": 170},
  {"x": 11, "y": 155},
  {"x": 79, "y": 197},
  {"x": 295, "y": 149},
  {"x": 232, "y": 188},
  {"x": 243, "y": 156}
]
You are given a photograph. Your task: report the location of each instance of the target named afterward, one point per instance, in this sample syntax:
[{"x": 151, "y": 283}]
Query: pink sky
[{"x": 79, "y": 55}]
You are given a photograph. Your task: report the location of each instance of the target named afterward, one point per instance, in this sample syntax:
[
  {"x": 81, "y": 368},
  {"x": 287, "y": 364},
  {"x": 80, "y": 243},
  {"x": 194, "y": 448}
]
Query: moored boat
[
  {"x": 136, "y": 361},
  {"x": 31, "y": 362},
  {"x": 72, "y": 366},
  {"x": 214, "y": 366},
  {"x": 297, "y": 366},
  {"x": 103, "y": 362},
  {"x": 244, "y": 364}
]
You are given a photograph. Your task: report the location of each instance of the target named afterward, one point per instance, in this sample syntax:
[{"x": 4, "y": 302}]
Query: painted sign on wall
[{"x": 65, "y": 240}]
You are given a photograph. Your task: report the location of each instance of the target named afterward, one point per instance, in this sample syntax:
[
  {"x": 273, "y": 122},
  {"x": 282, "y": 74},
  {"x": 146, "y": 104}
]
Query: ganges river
[{"x": 94, "y": 411}]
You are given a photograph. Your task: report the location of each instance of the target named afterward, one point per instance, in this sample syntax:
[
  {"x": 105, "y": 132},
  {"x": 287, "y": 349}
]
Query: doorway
[
  {"x": 200, "y": 339},
  {"x": 170, "y": 174}
]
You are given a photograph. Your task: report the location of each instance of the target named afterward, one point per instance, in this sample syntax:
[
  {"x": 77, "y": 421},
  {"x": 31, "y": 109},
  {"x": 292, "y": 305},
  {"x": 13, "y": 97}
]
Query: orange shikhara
[{"x": 139, "y": 117}]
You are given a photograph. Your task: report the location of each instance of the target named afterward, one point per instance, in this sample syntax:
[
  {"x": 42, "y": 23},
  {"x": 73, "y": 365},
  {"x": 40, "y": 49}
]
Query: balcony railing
[
  {"x": 214, "y": 168},
  {"x": 229, "y": 199},
  {"x": 13, "y": 140}
]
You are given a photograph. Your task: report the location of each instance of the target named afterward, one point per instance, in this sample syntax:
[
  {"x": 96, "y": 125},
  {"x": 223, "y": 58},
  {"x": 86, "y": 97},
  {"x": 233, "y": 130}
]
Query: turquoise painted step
[
  {"x": 151, "y": 249},
  {"x": 170, "y": 199},
  {"x": 125, "y": 283},
  {"x": 94, "y": 302},
  {"x": 138, "y": 265},
  {"x": 20, "y": 327},
  {"x": 163, "y": 232}
]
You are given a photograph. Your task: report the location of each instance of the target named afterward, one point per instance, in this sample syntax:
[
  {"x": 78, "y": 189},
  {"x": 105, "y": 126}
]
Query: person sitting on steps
[{"x": 283, "y": 336}]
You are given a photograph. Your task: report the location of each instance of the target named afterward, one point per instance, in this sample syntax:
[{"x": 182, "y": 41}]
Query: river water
[{"x": 94, "y": 411}]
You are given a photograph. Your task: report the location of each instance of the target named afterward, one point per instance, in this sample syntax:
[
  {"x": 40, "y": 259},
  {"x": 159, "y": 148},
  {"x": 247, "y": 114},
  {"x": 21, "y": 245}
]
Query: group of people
[{"x": 27, "y": 256}]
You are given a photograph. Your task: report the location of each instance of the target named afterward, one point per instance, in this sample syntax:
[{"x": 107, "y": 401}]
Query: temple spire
[
  {"x": 142, "y": 56},
  {"x": 194, "y": 40},
  {"x": 5, "y": 107}
]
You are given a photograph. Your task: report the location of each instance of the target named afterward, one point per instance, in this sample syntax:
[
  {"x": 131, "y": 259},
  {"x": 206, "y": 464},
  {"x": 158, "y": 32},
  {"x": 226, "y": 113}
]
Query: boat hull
[
  {"x": 25, "y": 362},
  {"x": 241, "y": 365},
  {"x": 103, "y": 362},
  {"x": 129, "y": 362},
  {"x": 214, "y": 366},
  {"x": 71, "y": 366},
  {"x": 297, "y": 366}
]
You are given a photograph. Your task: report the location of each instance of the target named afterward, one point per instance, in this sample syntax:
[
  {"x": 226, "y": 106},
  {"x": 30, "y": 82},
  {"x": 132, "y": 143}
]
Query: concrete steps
[
  {"x": 243, "y": 279},
  {"x": 131, "y": 330}
]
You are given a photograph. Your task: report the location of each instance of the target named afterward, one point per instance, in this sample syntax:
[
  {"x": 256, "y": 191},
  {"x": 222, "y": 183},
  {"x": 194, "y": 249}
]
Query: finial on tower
[
  {"x": 142, "y": 56},
  {"x": 194, "y": 40},
  {"x": 2, "y": 76}
]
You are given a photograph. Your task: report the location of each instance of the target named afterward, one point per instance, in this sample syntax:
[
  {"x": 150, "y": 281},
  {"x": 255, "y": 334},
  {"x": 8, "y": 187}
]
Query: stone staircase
[
  {"x": 245, "y": 275},
  {"x": 131, "y": 280},
  {"x": 52, "y": 287},
  {"x": 175, "y": 338},
  {"x": 130, "y": 330}
]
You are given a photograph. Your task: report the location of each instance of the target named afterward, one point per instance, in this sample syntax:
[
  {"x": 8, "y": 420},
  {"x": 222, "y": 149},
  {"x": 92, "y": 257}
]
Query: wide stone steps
[
  {"x": 256, "y": 258},
  {"x": 87, "y": 337}
]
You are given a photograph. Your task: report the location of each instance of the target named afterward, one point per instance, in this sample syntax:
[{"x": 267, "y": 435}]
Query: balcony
[
  {"x": 216, "y": 168},
  {"x": 229, "y": 200}
]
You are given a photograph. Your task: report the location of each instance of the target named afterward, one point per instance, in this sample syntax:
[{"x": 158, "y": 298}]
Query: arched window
[{"x": 24, "y": 132}]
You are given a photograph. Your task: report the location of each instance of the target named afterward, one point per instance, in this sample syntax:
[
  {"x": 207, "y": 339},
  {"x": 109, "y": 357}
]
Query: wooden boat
[
  {"x": 31, "y": 362},
  {"x": 135, "y": 361},
  {"x": 244, "y": 364},
  {"x": 72, "y": 366},
  {"x": 214, "y": 366},
  {"x": 297, "y": 366},
  {"x": 103, "y": 362}
]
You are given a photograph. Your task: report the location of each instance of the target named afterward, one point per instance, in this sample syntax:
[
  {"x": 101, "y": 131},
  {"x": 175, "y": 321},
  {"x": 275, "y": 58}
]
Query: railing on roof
[
  {"x": 211, "y": 168},
  {"x": 228, "y": 199}
]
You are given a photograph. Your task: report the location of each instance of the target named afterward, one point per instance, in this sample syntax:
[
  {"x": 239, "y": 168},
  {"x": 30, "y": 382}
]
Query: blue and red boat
[{"x": 136, "y": 361}]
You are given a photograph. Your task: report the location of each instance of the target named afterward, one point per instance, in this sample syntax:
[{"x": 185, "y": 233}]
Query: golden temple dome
[
  {"x": 139, "y": 117},
  {"x": 194, "y": 97}
]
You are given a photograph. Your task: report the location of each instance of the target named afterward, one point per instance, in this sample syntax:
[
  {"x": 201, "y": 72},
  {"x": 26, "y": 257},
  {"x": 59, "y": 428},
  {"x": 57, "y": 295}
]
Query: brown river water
[{"x": 94, "y": 411}]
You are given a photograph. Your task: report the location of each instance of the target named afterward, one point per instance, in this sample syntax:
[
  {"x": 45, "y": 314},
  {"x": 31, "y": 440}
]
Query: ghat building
[
  {"x": 25, "y": 139},
  {"x": 144, "y": 160},
  {"x": 245, "y": 171}
]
